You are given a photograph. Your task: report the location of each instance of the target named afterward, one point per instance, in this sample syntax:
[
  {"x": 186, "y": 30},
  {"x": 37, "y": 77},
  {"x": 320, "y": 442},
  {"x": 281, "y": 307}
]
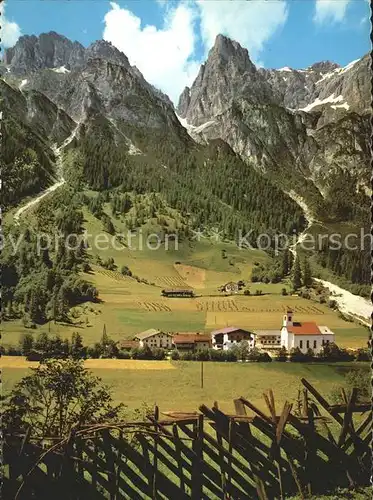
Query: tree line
[{"x": 45, "y": 346}]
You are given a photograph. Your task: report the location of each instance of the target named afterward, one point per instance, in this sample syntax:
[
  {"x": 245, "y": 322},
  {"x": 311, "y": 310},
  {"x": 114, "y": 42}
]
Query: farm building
[
  {"x": 154, "y": 338},
  {"x": 305, "y": 335},
  {"x": 178, "y": 293},
  {"x": 225, "y": 338},
  {"x": 268, "y": 339},
  {"x": 191, "y": 342}
]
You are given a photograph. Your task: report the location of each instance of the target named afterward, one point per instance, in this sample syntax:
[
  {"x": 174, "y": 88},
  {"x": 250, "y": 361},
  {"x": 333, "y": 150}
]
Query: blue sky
[{"x": 169, "y": 40}]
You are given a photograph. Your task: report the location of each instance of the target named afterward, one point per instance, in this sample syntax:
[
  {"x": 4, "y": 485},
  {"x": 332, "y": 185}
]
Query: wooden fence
[{"x": 209, "y": 454}]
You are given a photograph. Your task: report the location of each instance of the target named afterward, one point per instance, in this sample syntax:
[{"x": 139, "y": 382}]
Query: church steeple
[{"x": 288, "y": 317}]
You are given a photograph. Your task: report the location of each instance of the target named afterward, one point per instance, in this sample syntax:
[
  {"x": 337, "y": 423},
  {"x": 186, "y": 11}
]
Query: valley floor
[{"x": 175, "y": 385}]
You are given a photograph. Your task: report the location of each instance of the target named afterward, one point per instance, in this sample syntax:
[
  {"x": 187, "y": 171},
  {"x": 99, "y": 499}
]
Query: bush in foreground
[{"x": 74, "y": 397}]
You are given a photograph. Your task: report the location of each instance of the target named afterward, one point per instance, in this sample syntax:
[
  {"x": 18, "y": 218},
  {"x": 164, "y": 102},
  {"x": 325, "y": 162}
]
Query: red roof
[
  {"x": 190, "y": 338},
  {"x": 228, "y": 329},
  {"x": 304, "y": 328},
  {"x": 128, "y": 344}
]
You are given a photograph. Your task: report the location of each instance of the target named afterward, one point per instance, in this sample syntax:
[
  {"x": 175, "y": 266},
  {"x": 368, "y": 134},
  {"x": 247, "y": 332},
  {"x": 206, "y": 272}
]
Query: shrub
[
  {"x": 247, "y": 292},
  {"x": 363, "y": 355},
  {"x": 216, "y": 355},
  {"x": 175, "y": 355},
  {"x": 141, "y": 353},
  {"x": 332, "y": 304},
  {"x": 187, "y": 356},
  {"x": 297, "y": 356},
  {"x": 26, "y": 343},
  {"x": 283, "y": 291},
  {"x": 158, "y": 353},
  {"x": 122, "y": 354},
  {"x": 258, "y": 356},
  {"x": 331, "y": 352},
  {"x": 229, "y": 356},
  {"x": 86, "y": 267},
  {"x": 309, "y": 356},
  {"x": 12, "y": 351},
  {"x": 107, "y": 224},
  {"x": 34, "y": 356},
  {"x": 282, "y": 355},
  {"x": 109, "y": 264},
  {"x": 125, "y": 270},
  {"x": 202, "y": 355}
]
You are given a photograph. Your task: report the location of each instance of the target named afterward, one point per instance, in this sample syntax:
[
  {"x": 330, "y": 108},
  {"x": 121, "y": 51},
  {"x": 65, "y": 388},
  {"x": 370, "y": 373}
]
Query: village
[{"x": 292, "y": 334}]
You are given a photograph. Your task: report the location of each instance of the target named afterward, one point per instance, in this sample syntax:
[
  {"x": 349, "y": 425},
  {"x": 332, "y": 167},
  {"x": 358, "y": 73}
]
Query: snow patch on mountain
[
  {"x": 22, "y": 84},
  {"x": 344, "y": 105},
  {"x": 193, "y": 129},
  {"x": 337, "y": 71},
  {"x": 61, "y": 69},
  {"x": 327, "y": 100}
]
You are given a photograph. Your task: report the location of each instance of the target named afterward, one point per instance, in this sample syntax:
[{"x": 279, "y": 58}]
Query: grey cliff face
[
  {"x": 228, "y": 72},
  {"x": 84, "y": 82},
  {"x": 184, "y": 101},
  {"x": 291, "y": 124},
  {"x": 38, "y": 112},
  {"x": 49, "y": 50}
]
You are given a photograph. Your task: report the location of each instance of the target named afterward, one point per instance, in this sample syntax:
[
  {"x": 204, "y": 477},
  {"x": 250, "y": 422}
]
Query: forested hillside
[{"x": 211, "y": 183}]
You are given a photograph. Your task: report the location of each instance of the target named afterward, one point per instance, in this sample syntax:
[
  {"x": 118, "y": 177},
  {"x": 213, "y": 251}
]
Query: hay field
[
  {"x": 128, "y": 306},
  {"x": 176, "y": 386}
]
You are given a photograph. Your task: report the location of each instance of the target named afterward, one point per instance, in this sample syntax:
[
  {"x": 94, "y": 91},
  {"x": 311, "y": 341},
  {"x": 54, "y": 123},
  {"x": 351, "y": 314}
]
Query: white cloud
[
  {"x": 10, "y": 31},
  {"x": 332, "y": 11},
  {"x": 250, "y": 23},
  {"x": 164, "y": 56}
]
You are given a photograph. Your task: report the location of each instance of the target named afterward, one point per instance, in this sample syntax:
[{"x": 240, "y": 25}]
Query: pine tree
[
  {"x": 307, "y": 274},
  {"x": 285, "y": 262},
  {"x": 26, "y": 343},
  {"x": 77, "y": 348},
  {"x": 297, "y": 274},
  {"x": 104, "y": 338}
]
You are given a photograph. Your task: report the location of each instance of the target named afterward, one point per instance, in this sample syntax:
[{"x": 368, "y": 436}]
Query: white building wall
[
  {"x": 160, "y": 340},
  {"x": 305, "y": 342},
  {"x": 227, "y": 343},
  {"x": 286, "y": 338}
]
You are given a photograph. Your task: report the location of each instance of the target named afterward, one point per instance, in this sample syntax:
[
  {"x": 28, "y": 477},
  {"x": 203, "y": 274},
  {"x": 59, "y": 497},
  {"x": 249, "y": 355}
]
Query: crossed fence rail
[{"x": 209, "y": 454}]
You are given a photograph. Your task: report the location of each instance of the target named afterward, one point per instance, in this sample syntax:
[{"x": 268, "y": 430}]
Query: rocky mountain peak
[
  {"x": 227, "y": 73},
  {"x": 48, "y": 50},
  {"x": 102, "y": 49},
  {"x": 324, "y": 66},
  {"x": 228, "y": 51}
]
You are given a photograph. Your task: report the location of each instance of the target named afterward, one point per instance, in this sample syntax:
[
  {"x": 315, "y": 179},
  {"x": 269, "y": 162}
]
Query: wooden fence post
[{"x": 197, "y": 473}]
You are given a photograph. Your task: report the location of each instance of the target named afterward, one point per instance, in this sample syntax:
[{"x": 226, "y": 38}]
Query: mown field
[
  {"x": 127, "y": 307},
  {"x": 176, "y": 385}
]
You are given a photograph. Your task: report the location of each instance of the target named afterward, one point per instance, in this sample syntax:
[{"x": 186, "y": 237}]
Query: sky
[{"x": 169, "y": 39}]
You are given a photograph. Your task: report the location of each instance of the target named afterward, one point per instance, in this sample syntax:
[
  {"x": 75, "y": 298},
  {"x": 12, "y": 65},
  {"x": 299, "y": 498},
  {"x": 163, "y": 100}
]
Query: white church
[{"x": 305, "y": 335}]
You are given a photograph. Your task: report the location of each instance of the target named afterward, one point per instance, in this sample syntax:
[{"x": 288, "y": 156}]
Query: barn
[{"x": 178, "y": 292}]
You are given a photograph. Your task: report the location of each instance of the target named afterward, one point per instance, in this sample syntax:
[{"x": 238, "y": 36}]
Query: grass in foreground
[{"x": 177, "y": 385}]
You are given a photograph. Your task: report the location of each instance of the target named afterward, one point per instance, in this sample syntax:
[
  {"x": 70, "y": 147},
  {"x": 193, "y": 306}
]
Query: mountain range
[{"x": 301, "y": 135}]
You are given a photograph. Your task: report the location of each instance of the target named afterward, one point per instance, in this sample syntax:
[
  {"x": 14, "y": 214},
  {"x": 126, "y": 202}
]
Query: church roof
[{"x": 304, "y": 328}]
